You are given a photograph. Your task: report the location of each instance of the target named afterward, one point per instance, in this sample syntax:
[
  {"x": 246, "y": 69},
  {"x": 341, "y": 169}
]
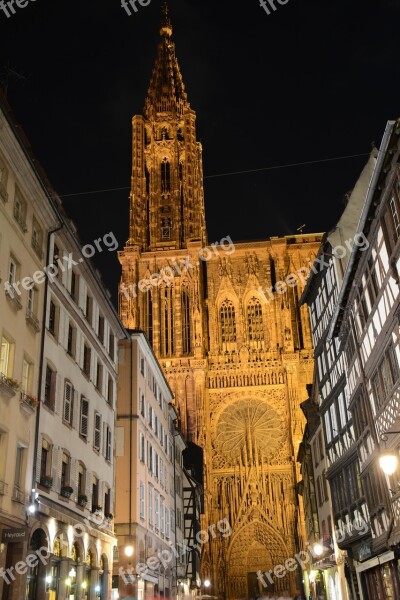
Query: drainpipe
[{"x": 41, "y": 355}]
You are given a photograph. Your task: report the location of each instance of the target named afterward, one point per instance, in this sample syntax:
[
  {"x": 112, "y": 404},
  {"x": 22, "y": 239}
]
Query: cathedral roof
[{"x": 167, "y": 91}]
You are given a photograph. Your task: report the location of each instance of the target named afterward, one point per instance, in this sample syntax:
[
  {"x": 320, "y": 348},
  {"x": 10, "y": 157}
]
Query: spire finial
[{"x": 166, "y": 26}]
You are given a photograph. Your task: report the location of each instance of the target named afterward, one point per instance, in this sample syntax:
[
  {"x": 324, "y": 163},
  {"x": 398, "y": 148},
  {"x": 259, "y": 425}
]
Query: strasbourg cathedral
[{"x": 237, "y": 361}]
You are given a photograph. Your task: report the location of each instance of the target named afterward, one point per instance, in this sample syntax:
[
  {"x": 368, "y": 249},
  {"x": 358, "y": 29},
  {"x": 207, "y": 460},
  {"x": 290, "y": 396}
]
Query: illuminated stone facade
[{"x": 237, "y": 359}]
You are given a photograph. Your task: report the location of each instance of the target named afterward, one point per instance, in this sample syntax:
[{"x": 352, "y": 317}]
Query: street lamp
[
  {"x": 128, "y": 550},
  {"x": 207, "y": 583},
  {"x": 318, "y": 549},
  {"x": 389, "y": 459}
]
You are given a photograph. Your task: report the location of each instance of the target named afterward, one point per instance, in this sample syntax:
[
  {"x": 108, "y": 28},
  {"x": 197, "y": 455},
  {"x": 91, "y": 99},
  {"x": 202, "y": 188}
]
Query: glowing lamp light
[
  {"x": 207, "y": 583},
  {"x": 129, "y": 550},
  {"x": 68, "y": 582},
  {"x": 97, "y": 588},
  {"x": 49, "y": 579},
  {"x": 312, "y": 575},
  {"x": 32, "y": 509},
  {"x": 84, "y": 585},
  {"x": 318, "y": 549},
  {"x": 388, "y": 463}
]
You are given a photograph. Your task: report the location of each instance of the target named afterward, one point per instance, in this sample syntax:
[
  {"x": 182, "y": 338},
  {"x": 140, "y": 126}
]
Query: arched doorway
[
  {"x": 36, "y": 579},
  {"x": 256, "y": 547},
  {"x": 102, "y": 591}
]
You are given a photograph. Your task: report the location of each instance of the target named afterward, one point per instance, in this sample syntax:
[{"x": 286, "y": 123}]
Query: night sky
[{"x": 314, "y": 80}]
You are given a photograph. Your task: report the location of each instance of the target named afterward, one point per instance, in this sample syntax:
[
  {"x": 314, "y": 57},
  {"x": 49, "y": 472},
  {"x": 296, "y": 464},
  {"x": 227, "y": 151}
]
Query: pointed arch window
[
  {"x": 228, "y": 322},
  {"x": 167, "y": 321},
  {"x": 148, "y": 315},
  {"x": 255, "y": 325},
  {"x": 186, "y": 332},
  {"x": 165, "y": 176}
]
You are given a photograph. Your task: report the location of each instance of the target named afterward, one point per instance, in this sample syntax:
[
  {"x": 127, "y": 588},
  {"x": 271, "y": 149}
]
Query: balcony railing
[
  {"x": 13, "y": 297},
  {"x": 32, "y": 320}
]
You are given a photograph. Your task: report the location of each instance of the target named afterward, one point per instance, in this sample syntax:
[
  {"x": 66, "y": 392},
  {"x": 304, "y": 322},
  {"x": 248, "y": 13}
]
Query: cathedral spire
[
  {"x": 166, "y": 93},
  {"x": 166, "y": 26}
]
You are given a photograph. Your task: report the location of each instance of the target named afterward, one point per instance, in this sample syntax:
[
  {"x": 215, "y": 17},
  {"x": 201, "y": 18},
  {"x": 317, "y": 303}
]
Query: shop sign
[{"x": 14, "y": 535}]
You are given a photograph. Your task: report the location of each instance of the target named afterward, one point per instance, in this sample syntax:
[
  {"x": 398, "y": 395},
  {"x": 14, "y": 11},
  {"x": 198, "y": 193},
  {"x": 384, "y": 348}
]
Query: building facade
[
  {"x": 149, "y": 524},
  {"x": 350, "y": 510},
  {"x": 368, "y": 327},
  {"x": 235, "y": 347},
  {"x": 73, "y": 471},
  {"x": 58, "y": 391},
  {"x": 25, "y": 218}
]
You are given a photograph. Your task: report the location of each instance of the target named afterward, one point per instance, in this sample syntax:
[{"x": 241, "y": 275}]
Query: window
[
  {"x": 255, "y": 324},
  {"x": 56, "y": 255},
  {"x": 385, "y": 377},
  {"x": 325, "y": 487},
  {"x": 3, "y": 182},
  {"x": 157, "y": 509},
  {"x": 87, "y": 353},
  {"x": 97, "y": 431},
  {"x": 52, "y": 318},
  {"x": 68, "y": 402},
  {"x": 99, "y": 377},
  {"x": 162, "y": 516},
  {"x": 321, "y": 445},
  {"x": 167, "y": 523},
  {"x": 71, "y": 342},
  {"x": 37, "y": 238},
  {"x": 141, "y": 447},
  {"x": 81, "y": 480},
  {"x": 20, "y": 211},
  {"x": 65, "y": 469},
  {"x": 31, "y": 308},
  {"x": 111, "y": 346},
  {"x": 141, "y": 359},
  {"x": 110, "y": 390},
  {"x": 150, "y": 457},
  {"x": 50, "y": 388},
  {"x": 107, "y": 501},
  {"x": 108, "y": 449},
  {"x": 26, "y": 382},
  {"x": 167, "y": 321},
  {"x": 74, "y": 289},
  {"x": 165, "y": 176},
  {"x": 141, "y": 402},
  {"x": 150, "y": 505},
  {"x": 45, "y": 461},
  {"x": 12, "y": 270},
  {"x": 141, "y": 500},
  {"x": 84, "y": 421},
  {"x": 187, "y": 345},
  {"x": 228, "y": 322},
  {"x": 89, "y": 308},
  {"x": 19, "y": 467},
  {"x": 100, "y": 329},
  {"x": 95, "y": 493},
  {"x": 6, "y": 357}
]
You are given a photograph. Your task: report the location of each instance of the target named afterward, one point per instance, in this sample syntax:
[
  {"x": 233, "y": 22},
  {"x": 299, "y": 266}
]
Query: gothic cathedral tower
[{"x": 237, "y": 359}]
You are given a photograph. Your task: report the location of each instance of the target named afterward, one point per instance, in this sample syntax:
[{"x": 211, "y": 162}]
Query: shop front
[{"x": 379, "y": 577}]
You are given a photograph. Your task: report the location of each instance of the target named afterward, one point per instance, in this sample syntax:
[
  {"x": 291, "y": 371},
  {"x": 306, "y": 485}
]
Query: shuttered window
[
  {"x": 68, "y": 402},
  {"x": 84, "y": 425},
  {"x": 97, "y": 431}
]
